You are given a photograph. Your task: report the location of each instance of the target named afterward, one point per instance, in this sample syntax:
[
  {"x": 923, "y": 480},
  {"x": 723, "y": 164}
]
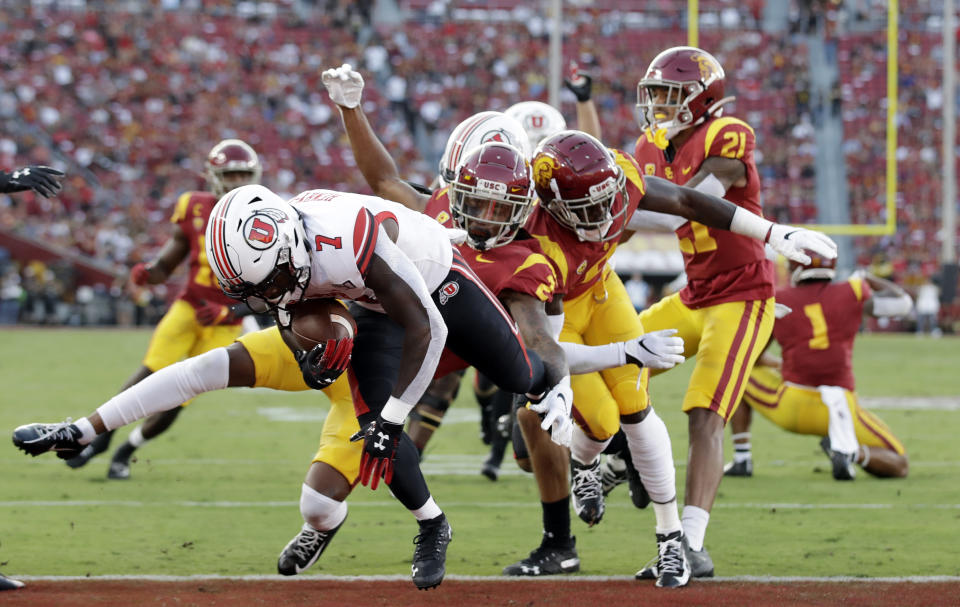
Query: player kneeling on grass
[
  {"x": 811, "y": 390},
  {"x": 262, "y": 360}
]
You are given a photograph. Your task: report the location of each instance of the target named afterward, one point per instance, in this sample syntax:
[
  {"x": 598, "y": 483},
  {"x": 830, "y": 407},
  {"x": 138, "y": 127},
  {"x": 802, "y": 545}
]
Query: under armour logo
[
  {"x": 380, "y": 442},
  {"x": 20, "y": 173},
  {"x": 535, "y": 570}
]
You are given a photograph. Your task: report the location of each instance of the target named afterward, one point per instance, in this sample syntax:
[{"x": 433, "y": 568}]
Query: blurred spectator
[
  {"x": 638, "y": 290},
  {"x": 928, "y": 308}
]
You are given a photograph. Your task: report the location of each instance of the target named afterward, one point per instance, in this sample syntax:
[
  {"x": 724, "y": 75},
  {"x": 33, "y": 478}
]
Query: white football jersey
[{"x": 342, "y": 230}]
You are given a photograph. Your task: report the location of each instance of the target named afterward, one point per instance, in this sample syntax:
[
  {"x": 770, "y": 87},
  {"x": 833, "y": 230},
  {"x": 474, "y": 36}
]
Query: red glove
[
  {"x": 209, "y": 314},
  {"x": 139, "y": 274}
]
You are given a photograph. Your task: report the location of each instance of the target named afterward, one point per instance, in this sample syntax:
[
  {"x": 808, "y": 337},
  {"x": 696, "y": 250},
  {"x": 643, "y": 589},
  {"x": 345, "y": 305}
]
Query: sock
[
  {"x": 427, "y": 511},
  {"x": 136, "y": 438},
  {"x": 668, "y": 520},
  {"x": 583, "y": 449},
  {"x": 87, "y": 433},
  {"x": 319, "y": 511},
  {"x": 695, "y": 526},
  {"x": 556, "y": 522},
  {"x": 652, "y": 456},
  {"x": 741, "y": 447}
]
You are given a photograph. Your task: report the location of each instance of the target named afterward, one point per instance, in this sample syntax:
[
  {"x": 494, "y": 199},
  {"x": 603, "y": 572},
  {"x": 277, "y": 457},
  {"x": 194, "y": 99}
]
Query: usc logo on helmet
[
  {"x": 543, "y": 168},
  {"x": 706, "y": 64}
]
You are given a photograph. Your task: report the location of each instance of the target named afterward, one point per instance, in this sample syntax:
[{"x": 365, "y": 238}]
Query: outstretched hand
[
  {"x": 555, "y": 408},
  {"x": 791, "y": 241},
  {"x": 41, "y": 179},
  {"x": 344, "y": 85}
]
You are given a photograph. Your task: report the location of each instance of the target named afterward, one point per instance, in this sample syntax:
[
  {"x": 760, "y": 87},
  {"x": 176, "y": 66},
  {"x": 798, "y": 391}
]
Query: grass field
[{"x": 218, "y": 494}]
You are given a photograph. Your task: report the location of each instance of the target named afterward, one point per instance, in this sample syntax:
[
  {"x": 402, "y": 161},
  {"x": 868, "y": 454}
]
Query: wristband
[
  {"x": 395, "y": 411},
  {"x": 749, "y": 224}
]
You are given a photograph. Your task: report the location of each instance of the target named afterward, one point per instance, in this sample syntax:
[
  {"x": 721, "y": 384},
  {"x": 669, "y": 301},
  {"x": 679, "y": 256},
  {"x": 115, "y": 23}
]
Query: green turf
[{"x": 218, "y": 493}]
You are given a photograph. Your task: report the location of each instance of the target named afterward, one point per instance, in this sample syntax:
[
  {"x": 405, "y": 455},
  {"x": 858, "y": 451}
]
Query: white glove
[
  {"x": 555, "y": 408},
  {"x": 780, "y": 310},
  {"x": 790, "y": 242},
  {"x": 344, "y": 85},
  {"x": 456, "y": 235},
  {"x": 657, "y": 350}
]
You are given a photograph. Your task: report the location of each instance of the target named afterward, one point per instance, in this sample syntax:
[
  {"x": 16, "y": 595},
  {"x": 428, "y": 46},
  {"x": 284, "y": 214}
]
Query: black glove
[
  {"x": 325, "y": 362},
  {"x": 579, "y": 83},
  {"x": 41, "y": 179},
  {"x": 380, "y": 441}
]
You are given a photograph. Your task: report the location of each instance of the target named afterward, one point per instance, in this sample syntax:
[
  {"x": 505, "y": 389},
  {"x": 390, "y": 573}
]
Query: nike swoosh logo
[
  {"x": 480, "y": 258},
  {"x": 687, "y": 170}
]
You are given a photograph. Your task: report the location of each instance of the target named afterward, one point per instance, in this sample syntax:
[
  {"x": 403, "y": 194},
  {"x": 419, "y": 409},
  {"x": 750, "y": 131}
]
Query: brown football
[{"x": 317, "y": 320}]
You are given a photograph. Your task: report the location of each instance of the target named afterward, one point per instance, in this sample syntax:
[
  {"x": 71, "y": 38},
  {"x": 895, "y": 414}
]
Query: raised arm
[
  {"x": 345, "y": 87},
  {"x": 889, "y": 299}
]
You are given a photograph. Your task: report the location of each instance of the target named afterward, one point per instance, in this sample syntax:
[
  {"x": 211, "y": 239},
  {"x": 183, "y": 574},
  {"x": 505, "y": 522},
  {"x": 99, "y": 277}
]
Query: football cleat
[
  {"x": 701, "y": 565},
  {"x": 35, "y": 439},
  {"x": 304, "y": 549},
  {"x": 742, "y": 468},
  {"x": 547, "y": 560},
  {"x": 586, "y": 487},
  {"x": 843, "y": 469},
  {"x": 673, "y": 569},
  {"x": 95, "y": 448},
  {"x": 490, "y": 469},
  {"x": 119, "y": 470},
  {"x": 8, "y": 584},
  {"x": 649, "y": 571},
  {"x": 430, "y": 555},
  {"x": 613, "y": 473}
]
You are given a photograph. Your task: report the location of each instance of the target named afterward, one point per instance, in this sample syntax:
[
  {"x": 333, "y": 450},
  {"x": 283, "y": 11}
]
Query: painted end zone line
[{"x": 757, "y": 579}]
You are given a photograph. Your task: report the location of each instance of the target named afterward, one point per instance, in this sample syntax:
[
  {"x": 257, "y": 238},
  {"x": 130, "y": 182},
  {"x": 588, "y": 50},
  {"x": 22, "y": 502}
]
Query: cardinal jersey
[
  {"x": 517, "y": 266},
  {"x": 817, "y": 337},
  {"x": 580, "y": 264},
  {"x": 342, "y": 230},
  {"x": 721, "y": 266},
  {"x": 191, "y": 214}
]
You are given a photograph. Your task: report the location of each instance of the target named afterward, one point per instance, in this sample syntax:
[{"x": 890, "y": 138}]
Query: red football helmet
[
  {"x": 581, "y": 184},
  {"x": 682, "y": 87},
  {"x": 819, "y": 268},
  {"x": 491, "y": 196},
  {"x": 231, "y": 164}
]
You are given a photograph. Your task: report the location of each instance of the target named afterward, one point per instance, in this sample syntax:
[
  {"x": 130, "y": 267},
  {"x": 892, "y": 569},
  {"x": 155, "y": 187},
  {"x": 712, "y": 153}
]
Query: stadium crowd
[{"x": 129, "y": 110}]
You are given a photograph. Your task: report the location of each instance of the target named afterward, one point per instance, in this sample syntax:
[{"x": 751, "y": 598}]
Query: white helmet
[
  {"x": 538, "y": 119},
  {"x": 257, "y": 248},
  {"x": 231, "y": 164},
  {"x": 475, "y": 130}
]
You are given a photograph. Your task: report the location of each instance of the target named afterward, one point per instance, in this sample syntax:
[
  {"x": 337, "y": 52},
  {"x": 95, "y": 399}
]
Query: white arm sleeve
[
  {"x": 582, "y": 358},
  {"x": 646, "y": 220},
  {"x": 892, "y": 306},
  {"x": 556, "y": 325},
  {"x": 401, "y": 265},
  {"x": 168, "y": 388}
]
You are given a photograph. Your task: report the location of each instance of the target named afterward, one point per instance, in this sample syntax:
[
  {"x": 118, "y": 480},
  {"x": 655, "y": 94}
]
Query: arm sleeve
[
  {"x": 582, "y": 358},
  {"x": 168, "y": 388},
  {"x": 408, "y": 273}
]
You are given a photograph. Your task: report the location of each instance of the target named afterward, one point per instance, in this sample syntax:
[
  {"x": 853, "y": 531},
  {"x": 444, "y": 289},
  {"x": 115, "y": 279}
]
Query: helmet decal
[
  {"x": 260, "y": 231},
  {"x": 543, "y": 168},
  {"x": 706, "y": 64}
]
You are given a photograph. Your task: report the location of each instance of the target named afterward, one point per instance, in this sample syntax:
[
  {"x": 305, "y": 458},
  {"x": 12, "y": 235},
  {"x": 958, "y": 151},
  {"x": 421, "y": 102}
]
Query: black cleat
[
  {"x": 843, "y": 469},
  {"x": 8, "y": 584},
  {"x": 430, "y": 555},
  {"x": 95, "y": 448},
  {"x": 120, "y": 463},
  {"x": 701, "y": 565},
  {"x": 547, "y": 560},
  {"x": 673, "y": 569},
  {"x": 613, "y": 473},
  {"x": 304, "y": 549},
  {"x": 35, "y": 439},
  {"x": 586, "y": 488},
  {"x": 743, "y": 468}
]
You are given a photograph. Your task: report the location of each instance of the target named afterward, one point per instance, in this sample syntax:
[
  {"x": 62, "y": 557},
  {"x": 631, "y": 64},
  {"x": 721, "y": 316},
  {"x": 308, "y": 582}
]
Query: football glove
[
  {"x": 43, "y": 180},
  {"x": 656, "y": 350},
  {"x": 555, "y": 410},
  {"x": 210, "y": 314},
  {"x": 344, "y": 85},
  {"x": 380, "y": 441},
  {"x": 579, "y": 83},
  {"x": 140, "y": 274},
  {"x": 325, "y": 362},
  {"x": 790, "y": 242}
]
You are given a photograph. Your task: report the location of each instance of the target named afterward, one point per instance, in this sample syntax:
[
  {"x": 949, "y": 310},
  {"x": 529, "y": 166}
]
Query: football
[{"x": 317, "y": 320}]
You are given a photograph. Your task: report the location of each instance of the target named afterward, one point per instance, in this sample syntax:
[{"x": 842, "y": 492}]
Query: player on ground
[
  {"x": 588, "y": 195},
  {"x": 725, "y": 313},
  {"x": 511, "y": 264},
  {"x": 811, "y": 389},
  {"x": 201, "y": 317},
  {"x": 45, "y": 181}
]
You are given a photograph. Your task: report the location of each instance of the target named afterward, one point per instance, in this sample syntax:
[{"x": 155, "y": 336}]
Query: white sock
[
  {"x": 652, "y": 456},
  {"x": 668, "y": 520},
  {"x": 86, "y": 429},
  {"x": 136, "y": 438},
  {"x": 695, "y": 525},
  {"x": 742, "y": 449},
  {"x": 583, "y": 449},
  {"x": 167, "y": 388},
  {"x": 428, "y": 510},
  {"x": 319, "y": 511}
]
